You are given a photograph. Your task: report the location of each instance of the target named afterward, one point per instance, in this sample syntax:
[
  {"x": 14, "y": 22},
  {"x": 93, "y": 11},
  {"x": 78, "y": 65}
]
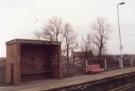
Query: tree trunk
[
  {"x": 100, "y": 52},
  {"x": 67, "y": 58},
  {"x": 56, "y": 38}
]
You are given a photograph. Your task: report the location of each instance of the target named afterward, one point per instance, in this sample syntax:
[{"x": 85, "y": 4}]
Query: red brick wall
[
  {"x": 13, "y": 63},
  {"x": 55, "y": 61},
  {"x": 34, "y": 59}
]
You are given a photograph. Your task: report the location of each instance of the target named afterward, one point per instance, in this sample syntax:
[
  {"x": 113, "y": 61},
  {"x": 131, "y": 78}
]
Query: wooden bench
[{"x": 94, "y": 68}]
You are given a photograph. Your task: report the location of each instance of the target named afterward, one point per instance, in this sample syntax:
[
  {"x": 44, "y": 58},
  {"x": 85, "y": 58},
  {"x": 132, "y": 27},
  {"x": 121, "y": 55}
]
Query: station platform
[{"x": 55, "y": 84}]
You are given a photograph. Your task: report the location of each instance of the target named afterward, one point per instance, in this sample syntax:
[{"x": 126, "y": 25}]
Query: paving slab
[{"x": 48, "y": 84}]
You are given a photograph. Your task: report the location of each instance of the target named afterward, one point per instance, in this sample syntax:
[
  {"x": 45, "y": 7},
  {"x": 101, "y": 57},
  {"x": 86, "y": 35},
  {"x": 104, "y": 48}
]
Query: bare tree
[
  {"x": 87, "y": 45},
  {"x": 38, "y": 35},
  {"x": 70, "y": 37},
  {"x": 55, "y": 30},
  {"x": 52, "y": 31},
  {"x": 102, "y": 29}
]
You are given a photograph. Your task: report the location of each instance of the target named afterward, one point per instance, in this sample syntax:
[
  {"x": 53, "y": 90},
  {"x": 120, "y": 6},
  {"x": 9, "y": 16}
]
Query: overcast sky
[{"x": 20, "y": 18}]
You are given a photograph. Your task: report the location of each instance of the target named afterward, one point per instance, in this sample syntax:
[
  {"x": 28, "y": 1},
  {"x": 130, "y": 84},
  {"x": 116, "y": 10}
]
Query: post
[
  {"x": 121, "y": 55},
  {"x": 86, "y": 63},
  {"x": 105, "y": 64},
  {"x": 131, "y": 61}
]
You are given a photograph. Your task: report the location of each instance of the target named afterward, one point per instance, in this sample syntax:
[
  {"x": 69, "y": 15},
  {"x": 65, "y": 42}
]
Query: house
[{"x": 80, "y": 57}]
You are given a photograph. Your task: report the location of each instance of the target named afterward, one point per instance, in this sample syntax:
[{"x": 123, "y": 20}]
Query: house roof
[{"x": 82, "y": 54}]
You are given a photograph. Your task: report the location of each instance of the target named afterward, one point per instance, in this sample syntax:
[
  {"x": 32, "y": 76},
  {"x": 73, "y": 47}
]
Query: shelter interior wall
[{"x": 34, "y": 59}]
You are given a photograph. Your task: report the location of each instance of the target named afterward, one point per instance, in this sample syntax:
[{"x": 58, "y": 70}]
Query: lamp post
[{"x": 121, "y": 55}]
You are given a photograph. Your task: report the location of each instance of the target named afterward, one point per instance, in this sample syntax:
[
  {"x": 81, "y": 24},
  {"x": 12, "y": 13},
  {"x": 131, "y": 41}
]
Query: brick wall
[
  {"x": 34, "y": 59},
  {"x": 13, "y": 63}
]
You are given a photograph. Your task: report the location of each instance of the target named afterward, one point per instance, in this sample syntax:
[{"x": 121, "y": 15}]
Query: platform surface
[{"x": 48, "y": 84}]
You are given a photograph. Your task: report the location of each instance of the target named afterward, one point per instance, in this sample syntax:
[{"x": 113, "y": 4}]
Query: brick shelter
[{"x": 32, "y": 59}]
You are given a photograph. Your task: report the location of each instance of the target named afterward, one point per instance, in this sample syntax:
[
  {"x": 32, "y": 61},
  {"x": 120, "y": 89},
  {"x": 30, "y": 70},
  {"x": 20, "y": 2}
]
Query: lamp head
[{"x": 121, "y": 3}]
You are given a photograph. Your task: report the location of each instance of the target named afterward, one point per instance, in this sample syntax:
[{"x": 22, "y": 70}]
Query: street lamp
[{"x": 121, "y": 56}]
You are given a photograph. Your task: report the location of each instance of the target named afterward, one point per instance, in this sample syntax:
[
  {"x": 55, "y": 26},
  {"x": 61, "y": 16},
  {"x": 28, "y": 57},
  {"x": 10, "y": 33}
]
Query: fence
[
  {"x": 76, "y": 67},
  {"x": 2, "y": 69}
]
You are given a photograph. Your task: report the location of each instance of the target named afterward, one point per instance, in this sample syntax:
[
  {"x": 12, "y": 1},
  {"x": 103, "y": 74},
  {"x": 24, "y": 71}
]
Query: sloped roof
[{"x": 82, "y": 54}]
